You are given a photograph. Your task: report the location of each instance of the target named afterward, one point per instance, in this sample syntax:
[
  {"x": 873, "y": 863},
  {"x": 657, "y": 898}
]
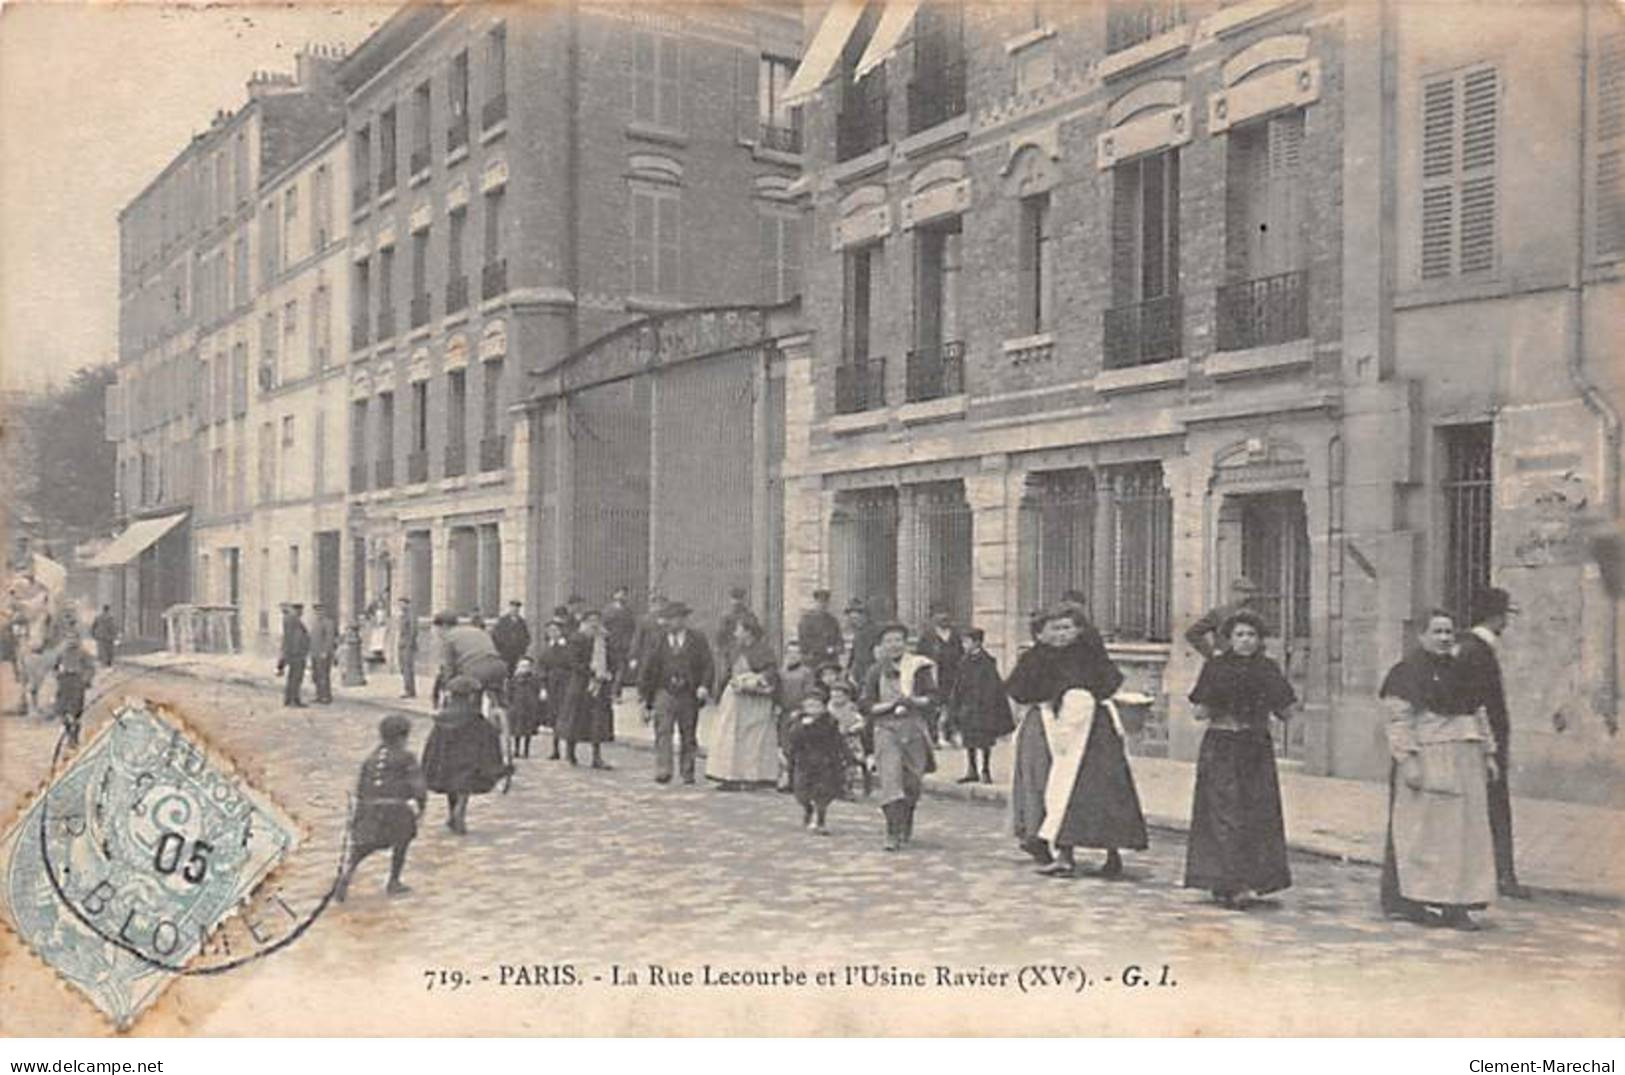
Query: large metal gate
[
  {"x": 863, "y": 539},
  {"x": 1057, "y": 538},
  {"x": 609, "y": 435},
  {"x": 942, "y": 551}
]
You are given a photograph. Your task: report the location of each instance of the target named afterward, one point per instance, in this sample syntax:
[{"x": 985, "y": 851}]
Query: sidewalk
[{"x": 1562, "y": 847}]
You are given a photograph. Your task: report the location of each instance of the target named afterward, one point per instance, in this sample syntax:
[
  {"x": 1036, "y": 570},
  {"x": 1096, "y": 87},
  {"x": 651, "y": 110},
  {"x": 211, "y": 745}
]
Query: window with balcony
[
  {"x": 267, "y": 463},
  {"x": 1144, "y": 322},
  {"x": 285, "y": 471},
  {"x": 361, "y": 166},
  {"x": 1129, "y": 22},
  {"x": 781, "y": 256},
  {"x": 384, "y": 464},
  {"x": 778, "y": 124},
  {"x": 1460, "y": 117},
  {"x": 494, "y": 274},
  {"x": 239, "y": 379},
  {"x": 386, "y": 293},
  {"x": 456, "y": 275},
  {"x": 268, "y": 374},
  {"x": 496, "y": 78},
  {"x": 493, "y": 445},
  {"x": 457, "y": 102},
  {"x": 456, "y": 423},
  {"x": 860, "y": 121},
  {"x": 290, "y": 220},
  {"x": 321, "y": 327},
  {"x": 656, "y": 240},
  {"x": 417, "y": 457},
  {"x": 657, "y": 87},
  {"x": 936, "y": 365},
  {"x": 860, "y": 378},
  {"x": 422, "y": 121},
  {"x": 1035, "y": 276},
  {"x": 290, "y": 328},
  {"x": 360, "y": 304},
  {"x": 1264, "y": 299},
  {"x": 420, "y": 279},
  {"x": 387, "y": 152},
  {"x": 937, "y": 91}
]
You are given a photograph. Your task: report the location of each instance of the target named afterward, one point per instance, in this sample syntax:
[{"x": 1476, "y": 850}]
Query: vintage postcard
[{"x": 832, "y": 518}]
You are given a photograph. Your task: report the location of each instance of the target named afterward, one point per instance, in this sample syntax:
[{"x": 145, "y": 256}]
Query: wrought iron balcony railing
[
  {"x": 860, "y": 385},
  {"x": 456, "y": 294},
  {"x": 494, "y": 112},
  {"x": 936, "y": 372},
  {"x": 493, "y": 453},
  {"x": 1268, "y": 310},
  {"x": 1129, "y": 22},
  {"x": 780, "y": 139},
  {"x": 1143, "y": 332},
  {"x": 494, "y": 279},
  {"x": 861, "y": 123}
]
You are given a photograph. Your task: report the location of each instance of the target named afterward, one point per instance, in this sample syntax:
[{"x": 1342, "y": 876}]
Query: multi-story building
[
  {"x": 1136, "y": 298},
  {"x": 208, "y": 261},
  {"x": 522, "y": 182}
]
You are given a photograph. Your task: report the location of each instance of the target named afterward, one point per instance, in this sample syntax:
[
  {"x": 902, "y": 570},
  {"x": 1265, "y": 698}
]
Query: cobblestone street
[{"x": 601, "y": 868}]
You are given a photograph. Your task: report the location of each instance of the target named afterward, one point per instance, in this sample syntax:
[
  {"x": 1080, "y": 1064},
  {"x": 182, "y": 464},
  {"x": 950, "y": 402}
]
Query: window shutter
[
  {"x": 1125, "y": 233},
  {"x": 747, "y": 67},
  {"x": 1608, "y": 238},
  {"x": 1480, "y": 105},
  {"x": 1285, "y": 187},
  {"x": 1438, "y": 176}
]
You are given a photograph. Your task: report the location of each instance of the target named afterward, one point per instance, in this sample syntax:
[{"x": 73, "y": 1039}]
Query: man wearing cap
[
  {"x": 1204, "y": 633},
  {"x": 511, "y": 635},
  {"x": 865, "y": 637},
  {"x": 819, "y": 632},
  {"x": 673, "y": 683},
  {"x": 1492, "y": 612},
  {"x": 619, "y": 626},
  {"x": 644, "y": 637},
  {"x": 323, "y": 649},
  {"x": 406, "y": 647},
  {"x": 295, "y": 649}
]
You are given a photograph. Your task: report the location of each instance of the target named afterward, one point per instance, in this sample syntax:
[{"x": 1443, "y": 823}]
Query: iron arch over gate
[{"x": 653, "y": 462}]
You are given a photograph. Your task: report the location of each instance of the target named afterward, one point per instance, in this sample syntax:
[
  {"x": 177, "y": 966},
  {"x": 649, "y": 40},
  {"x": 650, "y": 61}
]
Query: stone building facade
[
  {"x": 1136, "y": 298},
  {"x": 525, "y": 181}
]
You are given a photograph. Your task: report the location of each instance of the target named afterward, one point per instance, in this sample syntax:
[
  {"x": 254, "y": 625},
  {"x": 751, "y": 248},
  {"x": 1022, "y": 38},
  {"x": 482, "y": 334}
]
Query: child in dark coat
[
  {"x": 524, "y": 706},
  {"x": 390, "y": 796},
  {"x": 74, "y": 671},
  {"x": 818, "y": 760}
]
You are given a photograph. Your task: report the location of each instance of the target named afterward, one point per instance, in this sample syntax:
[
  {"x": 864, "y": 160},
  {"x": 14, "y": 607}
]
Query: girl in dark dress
[
  {"x": 1088, "y": 798},
  {"x": 978, "y": 707},
  {"x": 389, "y": 797},
  {"x": 1237, "y": 846},
  {"x": 463, "y": 754},
  {"x": 524, "y": 706},
  {"x": 819, "y": 759}
]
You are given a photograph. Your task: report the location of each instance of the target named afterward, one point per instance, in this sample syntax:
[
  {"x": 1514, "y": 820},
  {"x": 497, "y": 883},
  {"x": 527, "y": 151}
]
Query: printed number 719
[{"x": 444, "y": 979}]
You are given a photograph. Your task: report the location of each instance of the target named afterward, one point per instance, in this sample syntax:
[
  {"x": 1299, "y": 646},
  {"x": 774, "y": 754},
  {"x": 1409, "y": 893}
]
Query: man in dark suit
[
  {"x": 105, "y": 631},
  {"x": 295, "y": 649},
  {"x": 865, "y": 637},
  {"x": 324, "y": 648},
  {"x": 941, "y": 642},
  {"x": 620, "y": 625},
  {"x": 511, "y": 635},
  {"x": 1492, "y": 612},
  {"x": 673, "y": 683},
  {"x": 819, "y": 632}
]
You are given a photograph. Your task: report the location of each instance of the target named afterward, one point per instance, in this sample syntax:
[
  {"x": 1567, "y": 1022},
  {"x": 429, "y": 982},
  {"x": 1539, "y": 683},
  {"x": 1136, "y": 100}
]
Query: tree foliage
[{"x": 72, "y": 462}]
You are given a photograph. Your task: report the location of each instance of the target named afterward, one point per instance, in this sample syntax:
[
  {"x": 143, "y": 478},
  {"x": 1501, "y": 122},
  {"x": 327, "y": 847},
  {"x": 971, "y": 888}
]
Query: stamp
[{"x": 122, "y": 870}]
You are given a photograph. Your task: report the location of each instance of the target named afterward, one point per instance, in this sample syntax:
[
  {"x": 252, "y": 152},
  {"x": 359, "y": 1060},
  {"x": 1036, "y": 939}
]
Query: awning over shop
[
  {"x": 825, "y": 51},
  {"x": 894, "y": 23},
  {"x": 138, "y": 537}
]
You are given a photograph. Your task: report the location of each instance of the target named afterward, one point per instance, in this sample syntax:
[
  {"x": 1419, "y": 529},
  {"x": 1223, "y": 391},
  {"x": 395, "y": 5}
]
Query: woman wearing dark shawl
[
  {"x": 560, "y": 682},
  {"x": 1237, "y": 846},
  {"x": 1086, "y": 797},
  {"x": 1439, "y": 862}
]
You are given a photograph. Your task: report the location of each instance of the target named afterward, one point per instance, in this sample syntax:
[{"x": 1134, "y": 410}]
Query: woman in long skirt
[
  {"x": 463, "y": 754},
  {"x": 1439, "y": 863},
  {"x": 1237, "y": 846},
  {"x": 557, "y": 663},
  {"x": 978, "y": 707},
  {"x": 745, "y": 747},
  {"x": 1088, "y": 797}
]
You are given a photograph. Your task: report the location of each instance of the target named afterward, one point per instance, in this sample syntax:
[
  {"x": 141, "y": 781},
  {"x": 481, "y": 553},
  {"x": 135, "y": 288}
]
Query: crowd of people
[{"x": 860, "y": 710}]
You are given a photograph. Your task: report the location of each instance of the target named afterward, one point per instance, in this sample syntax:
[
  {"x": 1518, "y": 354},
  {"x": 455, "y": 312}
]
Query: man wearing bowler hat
[
  {"x": 673, "y": 682},
  {"x": 1492, "y": 612}
]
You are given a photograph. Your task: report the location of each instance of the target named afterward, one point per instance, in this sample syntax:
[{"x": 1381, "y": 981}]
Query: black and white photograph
[{"x": 812, "y": 518}]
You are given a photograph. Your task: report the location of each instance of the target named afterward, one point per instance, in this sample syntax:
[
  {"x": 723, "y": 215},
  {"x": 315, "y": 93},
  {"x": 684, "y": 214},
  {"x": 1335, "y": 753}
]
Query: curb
[{"x": 973, "y": 793}]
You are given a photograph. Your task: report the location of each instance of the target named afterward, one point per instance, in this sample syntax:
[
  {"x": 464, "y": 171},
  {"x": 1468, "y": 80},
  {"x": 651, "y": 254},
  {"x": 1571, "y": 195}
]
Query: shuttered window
[
  {"x": 1460, "y": 118},
  {"x": 656, "y": 241},
  {"x": 1608, "y": 236},
  {"x": 781, "y": 257}
]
